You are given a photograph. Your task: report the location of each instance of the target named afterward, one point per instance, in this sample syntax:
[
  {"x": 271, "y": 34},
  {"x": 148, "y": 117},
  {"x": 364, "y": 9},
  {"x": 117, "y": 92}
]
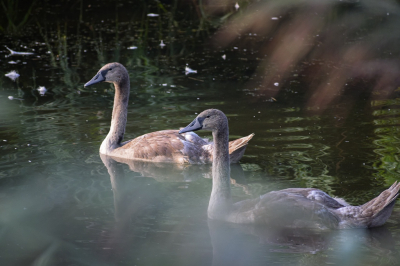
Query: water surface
[{"x": 61, "y": 203}]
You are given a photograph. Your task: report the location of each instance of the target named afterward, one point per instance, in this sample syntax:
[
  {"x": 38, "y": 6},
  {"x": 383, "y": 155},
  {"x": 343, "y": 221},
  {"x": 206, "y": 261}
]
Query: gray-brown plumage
[
  {"x": 292, "y": 207},
  {"x": 161, "y": 146}
]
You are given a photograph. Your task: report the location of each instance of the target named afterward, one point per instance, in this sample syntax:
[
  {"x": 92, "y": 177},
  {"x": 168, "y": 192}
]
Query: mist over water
[{"x": 61, "y": 203}]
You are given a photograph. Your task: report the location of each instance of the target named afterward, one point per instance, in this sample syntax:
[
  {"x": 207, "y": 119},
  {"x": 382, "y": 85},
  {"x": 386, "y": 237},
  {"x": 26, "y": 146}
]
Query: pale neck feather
[
  {"x": 119, "y": 117},
  {"x": 220, "y": 201}
]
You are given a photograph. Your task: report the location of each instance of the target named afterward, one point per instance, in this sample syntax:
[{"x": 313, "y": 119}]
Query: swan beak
[
  {"x": 96, "y": 79},
  {"x": 197, "y": 124}
]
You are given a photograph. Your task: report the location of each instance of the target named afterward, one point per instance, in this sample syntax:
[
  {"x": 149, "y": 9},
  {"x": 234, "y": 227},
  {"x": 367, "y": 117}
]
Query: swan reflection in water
[{"x": 140, "y": 201}]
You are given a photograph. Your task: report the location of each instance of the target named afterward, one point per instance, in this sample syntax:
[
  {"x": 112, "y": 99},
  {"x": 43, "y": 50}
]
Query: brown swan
[
  {"x": 292, "y": 207},
  {"x": 161, "y": 146}
]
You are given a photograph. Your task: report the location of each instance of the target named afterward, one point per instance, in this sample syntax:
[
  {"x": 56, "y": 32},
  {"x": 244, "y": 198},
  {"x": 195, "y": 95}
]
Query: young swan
[
  {"x": 161, "y": 146},
  {"x": 292, "y": 207}
]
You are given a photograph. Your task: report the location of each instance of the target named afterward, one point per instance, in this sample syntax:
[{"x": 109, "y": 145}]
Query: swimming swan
[
  {"x": 161, "y": 146},
  {"x": 292, "y": 207}
]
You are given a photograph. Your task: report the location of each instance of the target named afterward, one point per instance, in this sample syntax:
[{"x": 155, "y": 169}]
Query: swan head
[
  {"x": 112, "y": 73},
  {"x": 210, "y": 119}
]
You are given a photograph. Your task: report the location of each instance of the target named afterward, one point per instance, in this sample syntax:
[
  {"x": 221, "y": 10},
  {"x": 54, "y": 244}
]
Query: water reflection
[{"x": 242, "y": 245}]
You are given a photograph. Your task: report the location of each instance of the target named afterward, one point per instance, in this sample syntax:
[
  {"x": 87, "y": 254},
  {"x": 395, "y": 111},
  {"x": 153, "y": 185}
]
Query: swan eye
[
  {"x": 208, "y": 116},
  {"x": 110, "y": 69}
]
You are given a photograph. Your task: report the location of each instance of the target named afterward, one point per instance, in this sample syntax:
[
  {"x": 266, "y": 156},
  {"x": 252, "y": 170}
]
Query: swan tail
[
  {"x": 237, "y": 148},
  {"x": 378, "y": 210}
]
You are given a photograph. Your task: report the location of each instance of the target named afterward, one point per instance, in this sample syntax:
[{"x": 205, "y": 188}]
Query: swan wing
[
  {"x": 166, "y": 146},
  {"x": 289, "y": 208}
]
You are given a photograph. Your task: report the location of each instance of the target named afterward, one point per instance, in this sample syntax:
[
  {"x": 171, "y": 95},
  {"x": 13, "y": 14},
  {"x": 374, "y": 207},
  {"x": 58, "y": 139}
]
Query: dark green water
[{"x": 62, "y": 204}]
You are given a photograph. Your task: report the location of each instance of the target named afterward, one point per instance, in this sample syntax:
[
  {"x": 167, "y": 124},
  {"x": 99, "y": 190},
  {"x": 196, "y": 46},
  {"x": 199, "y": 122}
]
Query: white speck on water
[
  {"x": 10, "y": 97},
  {"x": 235, "y": 48},
  {"x": 48, "y": 52},
  {"x": 162, "y": 44},
  {"x": 12, "y": 75},
  {"x": 195, "y": 113},
  {"x": 173, "y": 86},
  {"x": 188, "y": 70},
  {"x": 276, "y": 84},
  {"x": 4, "y": 140},
  {"x": 165, "y": 84},
  {"x": 29, "y": 161},
  {"x": 12, "y": 52},
  {"x": 224, "y": 56},
  {"x": 42, "y": 90},
  {"x": 132, "y": 47},
  {"x": 198, "y": 98},
  {"x": 237, "y": 6},
  {"x": 12, "y": 62},
  {"x": 387, "y": 13},
  {"x": 274, "y": 18},
  {"x": 152, "y": 15}
]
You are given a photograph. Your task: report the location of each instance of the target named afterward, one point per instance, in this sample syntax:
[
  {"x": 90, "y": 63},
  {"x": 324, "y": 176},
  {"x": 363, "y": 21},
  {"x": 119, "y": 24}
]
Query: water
[{"x": 61, "y": 203}]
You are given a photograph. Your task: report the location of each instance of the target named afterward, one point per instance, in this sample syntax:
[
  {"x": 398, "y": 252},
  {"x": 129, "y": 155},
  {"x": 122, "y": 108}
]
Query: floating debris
[
  {"x": 188, "y": 70},
  {"x": 13, "y": 98},
  {"x": 274, "y": 18},
  {"x": 12, "y": 52},
  {"x": 237, "y": 6},
  {"x": 12, "y": 75},
  {"x": 162, "y": 44},
  {"x": 42, "y": 90},
  {"x": 276, "y": 84},
  {"x": 152, "y": 15},
  {"x": 12, "y": 62},
  {"x": 132, "y": 47},
  {"x": 224, "y": 56}
]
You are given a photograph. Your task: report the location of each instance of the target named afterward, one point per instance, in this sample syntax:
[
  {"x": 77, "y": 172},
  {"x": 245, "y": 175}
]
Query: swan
[
  {"x": 161, "y": 146},
  {"x": 292, "y": 207}
]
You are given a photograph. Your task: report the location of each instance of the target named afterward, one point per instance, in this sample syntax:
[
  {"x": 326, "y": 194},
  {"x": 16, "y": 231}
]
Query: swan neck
[
  {"x": 119, "y": 117},
  {"x": 220, "y": 200}
]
